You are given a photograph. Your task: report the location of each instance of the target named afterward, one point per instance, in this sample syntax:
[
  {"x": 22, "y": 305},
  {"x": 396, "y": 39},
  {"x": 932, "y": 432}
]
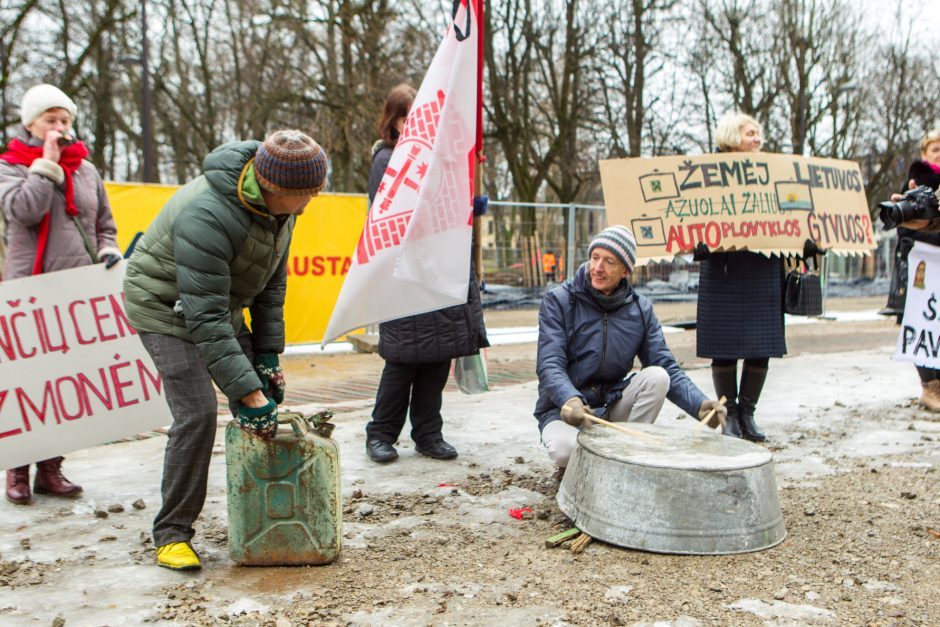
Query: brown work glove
[
  {"x": 720, "y": 414},
  {"x": 575, "y": 412}
]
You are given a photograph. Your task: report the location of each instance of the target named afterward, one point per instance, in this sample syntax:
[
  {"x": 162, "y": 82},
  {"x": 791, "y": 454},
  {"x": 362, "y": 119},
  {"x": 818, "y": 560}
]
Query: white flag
[{"x": 414, "y": 252}]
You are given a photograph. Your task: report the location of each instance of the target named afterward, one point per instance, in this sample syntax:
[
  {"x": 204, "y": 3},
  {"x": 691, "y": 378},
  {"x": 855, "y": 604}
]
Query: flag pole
[{"x": 477, "y": 247}]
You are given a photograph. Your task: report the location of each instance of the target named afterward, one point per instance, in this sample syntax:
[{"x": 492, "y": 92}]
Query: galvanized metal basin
[{"x": 693, "y": 493}]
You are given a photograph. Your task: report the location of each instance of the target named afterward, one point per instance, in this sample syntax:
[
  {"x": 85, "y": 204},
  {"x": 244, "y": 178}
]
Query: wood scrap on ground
[
  {"x": 581, "y": 543},
  {"x": 560, "y": 538}
]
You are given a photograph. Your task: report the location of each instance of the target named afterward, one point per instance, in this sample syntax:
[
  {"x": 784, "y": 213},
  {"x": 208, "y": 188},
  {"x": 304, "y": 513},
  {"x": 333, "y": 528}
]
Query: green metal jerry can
[{"x": 284, "y": 502}]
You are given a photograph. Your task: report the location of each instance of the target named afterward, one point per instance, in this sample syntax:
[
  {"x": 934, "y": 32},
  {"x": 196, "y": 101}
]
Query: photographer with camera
[{"x": 914, "y": 213}]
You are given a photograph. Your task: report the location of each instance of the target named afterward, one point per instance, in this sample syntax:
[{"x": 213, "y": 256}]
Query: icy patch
[
  {"x": 778, "y": 610},
  {"x": 797, "y": 468},
  {"x": 618, "y": 593},
  {"x": 880, "y": 585},
  {"x": 246, "y": 606},
  {"x": 910, "y": 465},
  {"x": 492, "y": 509},
  {"x": 411, "y": 589},
  {"x": 875, "y": 443},
  {"x": 682, "y": 621}
]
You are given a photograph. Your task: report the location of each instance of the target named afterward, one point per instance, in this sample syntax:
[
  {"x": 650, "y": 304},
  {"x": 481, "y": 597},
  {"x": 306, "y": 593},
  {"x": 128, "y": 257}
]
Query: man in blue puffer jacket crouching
[{"x": 591, "y": 329}]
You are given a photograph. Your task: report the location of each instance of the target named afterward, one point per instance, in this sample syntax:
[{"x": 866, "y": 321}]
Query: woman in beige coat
[{"x": 57, "y": 217}]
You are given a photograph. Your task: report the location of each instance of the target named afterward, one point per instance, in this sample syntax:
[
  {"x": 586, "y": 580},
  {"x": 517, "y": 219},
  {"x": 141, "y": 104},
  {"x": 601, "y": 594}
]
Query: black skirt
[{"x": 740, "y": 307}]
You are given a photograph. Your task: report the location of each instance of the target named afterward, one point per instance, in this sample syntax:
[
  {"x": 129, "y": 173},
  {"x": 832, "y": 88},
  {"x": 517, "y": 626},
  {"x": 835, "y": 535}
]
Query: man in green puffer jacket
[{"x": 218, "y": 246}]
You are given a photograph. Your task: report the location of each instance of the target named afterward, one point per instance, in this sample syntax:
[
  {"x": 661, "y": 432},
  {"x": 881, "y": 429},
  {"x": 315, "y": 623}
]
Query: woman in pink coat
[{"x": 57, "y": 217}]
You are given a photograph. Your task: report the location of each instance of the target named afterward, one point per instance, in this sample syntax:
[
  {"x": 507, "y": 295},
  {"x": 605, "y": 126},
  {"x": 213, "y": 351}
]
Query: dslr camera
[{"x": 919, "y": 203}]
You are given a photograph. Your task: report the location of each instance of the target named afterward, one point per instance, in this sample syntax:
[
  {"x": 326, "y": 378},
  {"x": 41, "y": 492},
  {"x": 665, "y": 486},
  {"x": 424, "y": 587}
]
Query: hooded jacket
[
  {"x": 29, "y": 194},
  {"x": 210, "y": 253},
  {"x": 586, "y": 351}
]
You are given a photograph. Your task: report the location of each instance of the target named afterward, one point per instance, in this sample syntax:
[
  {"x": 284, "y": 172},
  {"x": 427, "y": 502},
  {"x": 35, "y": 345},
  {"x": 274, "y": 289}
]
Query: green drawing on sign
[{"x": 657, "y": 186}]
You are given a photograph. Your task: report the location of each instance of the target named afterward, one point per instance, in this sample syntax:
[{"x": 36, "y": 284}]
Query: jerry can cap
[{"x": 317, "y": 423}]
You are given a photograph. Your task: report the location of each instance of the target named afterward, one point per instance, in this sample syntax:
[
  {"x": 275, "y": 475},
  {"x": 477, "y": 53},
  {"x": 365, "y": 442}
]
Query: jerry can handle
[
  {"x": 302, "y": 425},
  {"x": 296, "y": 420}
]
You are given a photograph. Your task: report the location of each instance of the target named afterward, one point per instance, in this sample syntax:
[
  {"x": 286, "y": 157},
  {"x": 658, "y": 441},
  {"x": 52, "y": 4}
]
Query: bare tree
[
  {"x": 818, "y": 56},
  {"x": 630, "y": 57},
  {"x": 564, "y": 52},
  {"x": 10, "y": 32},
  {"x": 895, "y": 120}
]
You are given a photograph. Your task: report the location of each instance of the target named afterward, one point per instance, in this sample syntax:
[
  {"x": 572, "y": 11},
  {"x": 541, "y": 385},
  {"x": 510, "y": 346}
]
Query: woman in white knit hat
[{"x": 57, "y": 217}]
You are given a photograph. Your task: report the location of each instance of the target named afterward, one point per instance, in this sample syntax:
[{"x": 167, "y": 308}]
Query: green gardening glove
[
  {"x": 258, "y": 421},
  {"x": 273, "y": 384}
]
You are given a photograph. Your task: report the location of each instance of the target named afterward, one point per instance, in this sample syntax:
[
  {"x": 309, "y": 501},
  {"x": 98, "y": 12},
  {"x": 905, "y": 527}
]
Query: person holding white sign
[
  {"x": 58, "y": 217},
  {"x": 923, "y": 171},
  {"x": 218, "y": 246},
  {"x": 740, "y": 306}
]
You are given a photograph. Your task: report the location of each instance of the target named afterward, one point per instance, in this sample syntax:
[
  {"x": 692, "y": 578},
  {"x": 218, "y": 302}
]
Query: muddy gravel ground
[
  {"x": 858, "y": 552},
  {"x": 858, "y": 487}
]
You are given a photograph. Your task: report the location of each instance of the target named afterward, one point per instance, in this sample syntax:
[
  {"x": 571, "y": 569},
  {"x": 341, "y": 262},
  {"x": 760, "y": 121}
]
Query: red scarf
[{"x": 71, "y": 158}]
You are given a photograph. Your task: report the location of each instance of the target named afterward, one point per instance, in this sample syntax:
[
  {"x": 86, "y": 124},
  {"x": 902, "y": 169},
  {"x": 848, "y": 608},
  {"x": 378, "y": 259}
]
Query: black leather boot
[
  {"x": 725, "y": 379},
  {"x": 381, "y": 451},
  {"x": 752, "y": 382}
]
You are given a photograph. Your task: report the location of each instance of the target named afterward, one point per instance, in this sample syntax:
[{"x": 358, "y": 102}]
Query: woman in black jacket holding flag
[{"x": 417, "y": 349}]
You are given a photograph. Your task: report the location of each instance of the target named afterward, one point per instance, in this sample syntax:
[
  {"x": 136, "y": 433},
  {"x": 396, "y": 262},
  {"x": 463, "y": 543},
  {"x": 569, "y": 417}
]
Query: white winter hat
[{"x": 40, "y": 99}]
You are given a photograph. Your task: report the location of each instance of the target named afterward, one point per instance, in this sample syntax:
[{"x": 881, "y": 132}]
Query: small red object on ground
[{"x": 517, "y": 513}]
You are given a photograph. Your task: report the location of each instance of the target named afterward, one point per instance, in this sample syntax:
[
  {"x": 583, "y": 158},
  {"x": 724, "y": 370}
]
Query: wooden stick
[
  {"x": 581, "y": 543},
  {"x": 561, "y": 538},
  {"x": 708, "y": 417},
  {"x": 632, "y": 432}
]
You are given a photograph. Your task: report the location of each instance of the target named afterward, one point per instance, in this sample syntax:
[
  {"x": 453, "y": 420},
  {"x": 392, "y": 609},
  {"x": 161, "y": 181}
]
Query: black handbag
[
  {"x": 803, "y": 292},
  {"x": 897, "y": 292}
]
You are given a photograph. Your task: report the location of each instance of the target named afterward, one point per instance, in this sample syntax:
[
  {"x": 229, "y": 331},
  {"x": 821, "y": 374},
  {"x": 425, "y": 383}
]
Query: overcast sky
[{"x": 925, "y": 14}]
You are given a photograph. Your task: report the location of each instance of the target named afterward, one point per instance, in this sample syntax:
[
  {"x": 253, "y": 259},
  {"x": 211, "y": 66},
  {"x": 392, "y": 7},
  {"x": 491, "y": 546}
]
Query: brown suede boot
[
  {"x": 18, "y": 485},
  {"x": 50, "y": 480},
  {"x": 930, "y": 397}
]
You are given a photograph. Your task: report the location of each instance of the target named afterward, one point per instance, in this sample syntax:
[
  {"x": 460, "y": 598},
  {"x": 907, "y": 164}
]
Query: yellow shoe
[{"x": 178, "y": 556}]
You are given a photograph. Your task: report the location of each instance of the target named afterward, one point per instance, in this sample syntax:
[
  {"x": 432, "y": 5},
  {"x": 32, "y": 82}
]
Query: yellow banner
[
  {"x": 756, "y": 201},
  {"x": 324, "y": 238}
]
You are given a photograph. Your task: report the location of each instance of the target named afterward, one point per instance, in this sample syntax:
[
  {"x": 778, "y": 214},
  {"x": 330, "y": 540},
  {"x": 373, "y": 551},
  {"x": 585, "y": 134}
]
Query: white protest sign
[
  {"x": 919, "y": 340},
  {"x": 73, "y": 373}
]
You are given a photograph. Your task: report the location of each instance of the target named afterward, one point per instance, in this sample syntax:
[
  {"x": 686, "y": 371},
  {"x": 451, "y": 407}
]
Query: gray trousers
[
  {"x": 642, "y": 401},
  {"x": 188, "y": 390}
]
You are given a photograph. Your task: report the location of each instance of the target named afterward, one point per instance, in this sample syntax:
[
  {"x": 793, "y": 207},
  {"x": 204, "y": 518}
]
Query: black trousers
[
  {"x": 419, "y": 385},
  {"x": 927, "y": 374}
]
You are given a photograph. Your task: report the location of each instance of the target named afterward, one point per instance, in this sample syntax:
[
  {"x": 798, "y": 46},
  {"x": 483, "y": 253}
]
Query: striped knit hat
[
  {"x": 290, "y": 163},
  {"x": 620, "y": 241}
]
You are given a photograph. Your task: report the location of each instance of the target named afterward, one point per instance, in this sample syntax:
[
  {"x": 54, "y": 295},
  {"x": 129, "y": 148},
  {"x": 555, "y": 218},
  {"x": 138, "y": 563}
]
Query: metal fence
[{"x": 516, "y": 236}]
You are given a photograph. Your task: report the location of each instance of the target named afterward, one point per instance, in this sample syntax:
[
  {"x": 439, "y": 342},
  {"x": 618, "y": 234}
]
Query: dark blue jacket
[{"x": 586, "y": 352}]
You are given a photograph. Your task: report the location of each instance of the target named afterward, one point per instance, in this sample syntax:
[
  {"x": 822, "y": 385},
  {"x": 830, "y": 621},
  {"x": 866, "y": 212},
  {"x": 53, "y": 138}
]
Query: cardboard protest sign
[
  {"x": 732, "y": 201},
  {"x": 919, "y": 339},
  {"x": 73, "y": 373}
]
